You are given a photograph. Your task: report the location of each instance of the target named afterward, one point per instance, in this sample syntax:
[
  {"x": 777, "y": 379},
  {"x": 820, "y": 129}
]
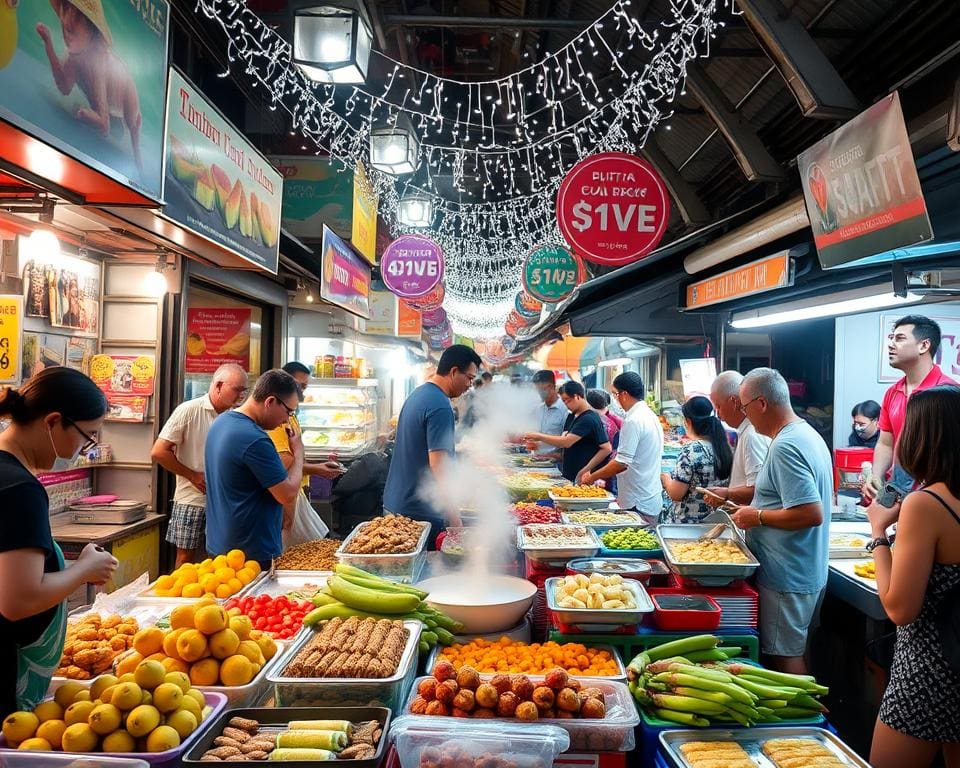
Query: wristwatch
[{"x": 881, "y": 541}]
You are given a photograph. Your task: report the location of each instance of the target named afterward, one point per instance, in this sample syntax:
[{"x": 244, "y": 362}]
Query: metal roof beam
[
  {"x": 818, "y": 88},
  {"x": 755, "y": 161},
  {"x": 692, "y": 210}
]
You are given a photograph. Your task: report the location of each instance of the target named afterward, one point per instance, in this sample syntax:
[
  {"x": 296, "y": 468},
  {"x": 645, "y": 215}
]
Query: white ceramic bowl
[{"x": 498, "y": 605}]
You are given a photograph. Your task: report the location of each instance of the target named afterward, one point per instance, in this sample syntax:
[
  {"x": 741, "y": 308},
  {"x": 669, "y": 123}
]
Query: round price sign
[
  {"x": 431, "y": 301},
  {"x": 613, "y": 208},
  {"x": 434, "y": 317},
  {"x": 550, "y": 273},
  {"x": 527, "y": 306},
  {"x": 412, "y": 266}
]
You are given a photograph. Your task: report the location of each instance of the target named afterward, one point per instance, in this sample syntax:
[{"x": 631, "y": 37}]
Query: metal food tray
[
  {"x": 401, "y": 566},
  {"x": 845, "y": 550},
  {"x": 255, "y": 691},
  {"x": 611, "y": 616},
  {"x": 631, "y": 519},
  {"x": 752, "y": 739},
  {"x": 558, "y": 553},
  {"x": 388, "y": 692},
  {"x": 282, "y": 582},
  {"x": 148, "y": 596},
  {"x": 708, "y": 574},
  {"x": 566, "y": 502},
  {"x": 620, "y": 677}
]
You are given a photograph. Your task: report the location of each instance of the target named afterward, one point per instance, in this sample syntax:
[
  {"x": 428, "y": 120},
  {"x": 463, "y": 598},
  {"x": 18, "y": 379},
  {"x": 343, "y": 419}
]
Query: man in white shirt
[
  {"x": 179, "y": 450},
  {"x": 551, "y": 414},
  {"x": 752, "y": 447},
  {"x": 637, "y": 462}
]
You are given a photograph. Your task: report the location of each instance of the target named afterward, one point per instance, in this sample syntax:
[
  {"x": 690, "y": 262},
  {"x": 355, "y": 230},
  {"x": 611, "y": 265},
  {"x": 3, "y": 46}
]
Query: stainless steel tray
[
  {"x": 559, "y": 553},
  {"x": 620, "y": 677},
  {"x": 149, "y": 596},
  {"x": 574, "y": 503},
  {"x": 708, "y": 574},
  {"x": 752, "y": 739},
  {"x": 615, "y": 617},
  {"x": 117, "y": 513},
  {"x": 629, "y": 519},
  {"x": 281, "y": 582}
]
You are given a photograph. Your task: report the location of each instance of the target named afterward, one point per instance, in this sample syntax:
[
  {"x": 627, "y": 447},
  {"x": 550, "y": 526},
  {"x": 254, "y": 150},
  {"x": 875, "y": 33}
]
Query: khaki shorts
[{"x": 786, "y": 619}]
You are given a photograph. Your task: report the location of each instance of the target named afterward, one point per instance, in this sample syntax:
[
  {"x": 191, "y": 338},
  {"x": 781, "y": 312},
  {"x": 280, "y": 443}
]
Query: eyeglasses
[
  {"x": 743, "y": 406},
  {"x": 91, "y": 441},
  {"x": 290, "y": 411}
]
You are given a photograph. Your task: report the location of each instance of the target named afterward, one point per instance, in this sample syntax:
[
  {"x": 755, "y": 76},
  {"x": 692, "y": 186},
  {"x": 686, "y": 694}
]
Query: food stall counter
[{"x": 843, "y": 581}]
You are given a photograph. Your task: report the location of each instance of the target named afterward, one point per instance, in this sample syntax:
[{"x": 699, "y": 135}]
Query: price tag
[
  {"x": 613, "y": 208},
  {"x": 412, "y": 266},
  {"x": 550, "y": 273},
  {"x": 11, "y": 314}
]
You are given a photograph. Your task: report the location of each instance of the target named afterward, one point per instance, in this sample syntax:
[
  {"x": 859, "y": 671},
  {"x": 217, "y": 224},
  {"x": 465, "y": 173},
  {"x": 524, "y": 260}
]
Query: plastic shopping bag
[{"x": 307, "y": 525}]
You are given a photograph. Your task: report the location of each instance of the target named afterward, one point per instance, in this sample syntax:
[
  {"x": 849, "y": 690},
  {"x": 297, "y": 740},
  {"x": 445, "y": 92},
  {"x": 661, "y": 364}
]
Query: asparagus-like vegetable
[
  {"x": 684, "y": 718},
  {"x": 683, "y": 646}
]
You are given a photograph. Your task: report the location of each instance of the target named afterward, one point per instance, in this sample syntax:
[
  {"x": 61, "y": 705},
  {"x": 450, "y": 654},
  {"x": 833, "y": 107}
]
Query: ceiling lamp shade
[
  {"x": 394, "y": 149},
  {"x": 331, "y": 44},
  {"x": 415, "y": 210}
]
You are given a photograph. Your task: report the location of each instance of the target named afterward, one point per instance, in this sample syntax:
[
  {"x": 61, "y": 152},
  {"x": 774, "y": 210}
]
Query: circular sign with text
[
  {"x": 434, "y": 317},
  {"x": 613, "y": 208},
  {"x": 550, "y": 273},
  {"x": 412, "y": 266},
  {"x": 431, "y": 301},
  {"x": 527, "y": 306}
]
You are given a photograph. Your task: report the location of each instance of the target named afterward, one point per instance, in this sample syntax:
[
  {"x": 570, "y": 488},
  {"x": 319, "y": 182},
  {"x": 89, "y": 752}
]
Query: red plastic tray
[
  {"x": 573, "y": 629},
  {"x": 673, "y": 620}
]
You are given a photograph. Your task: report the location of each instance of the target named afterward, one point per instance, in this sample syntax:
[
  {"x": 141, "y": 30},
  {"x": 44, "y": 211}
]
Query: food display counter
[
  {"x": 846, "y": 579},
  {"x": 339, "y": 417}
]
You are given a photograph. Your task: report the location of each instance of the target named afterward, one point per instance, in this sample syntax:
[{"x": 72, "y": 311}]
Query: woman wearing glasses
[{"x": 52, "y": 417}]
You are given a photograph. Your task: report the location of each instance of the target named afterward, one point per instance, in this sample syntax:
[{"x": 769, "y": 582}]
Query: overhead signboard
[
  {"x": 345, "y": 276},
  {"x": 364, "y": 237},
  {"x": 861, "y": 187},
  {"x": 99, "y": 96},
  {"x": 550, "y": 273},
  {"x": 383, "y": 314},
  {"x": 613, "y": 208},
  {"x": 216, "y": 184},
  {"x": 316, "y": 191},
  {"x": 11, "y": 327},
  {"x": 409, "y": 321},
  {"x": 412, "y": 266},
  {"x": 756, "y": 277}
]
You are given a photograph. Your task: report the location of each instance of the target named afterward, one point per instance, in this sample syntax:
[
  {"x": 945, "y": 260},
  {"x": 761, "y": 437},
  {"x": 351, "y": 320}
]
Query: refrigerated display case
[{"x": 339, "y": 416}]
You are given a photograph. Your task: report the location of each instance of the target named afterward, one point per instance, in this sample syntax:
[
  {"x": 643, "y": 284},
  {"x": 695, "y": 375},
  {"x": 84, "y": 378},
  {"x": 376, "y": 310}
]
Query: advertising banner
[
  {"x": 756, "y": 277},
  {"x": 216, "y": 184},
  {"x": 412, "y": 266},
  {"x": 550, "y": 273},
  {"x": 124, "y": 374},
  {"x": 217, "y": 335},
  {"x": 861, "y": 187},
  {"x": 383, "y": 314},
  {"x": 316, "y": 191},
  {"x": 409, "y": 321},
  {"x": 88, "y": 77},
  {"x": 11, "y": 326},
  {"x": 613, "y": 208},
  {"x": 364, "y": 237},
  {"x": 346, "y": 276}
]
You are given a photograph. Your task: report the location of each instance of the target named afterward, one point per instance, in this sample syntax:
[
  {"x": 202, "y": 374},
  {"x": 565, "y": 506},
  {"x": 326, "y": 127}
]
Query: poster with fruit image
[
  {"x": 217, "y": 335},
  {"x": 216, "y": 184}
]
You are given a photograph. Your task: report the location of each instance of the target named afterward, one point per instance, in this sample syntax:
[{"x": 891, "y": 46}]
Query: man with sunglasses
[
  {"x": 247, "y": 484},
  {"x": 179, "y": 450}
]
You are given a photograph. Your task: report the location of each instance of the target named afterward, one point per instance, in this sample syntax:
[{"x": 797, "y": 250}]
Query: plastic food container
[
  {"x": 612, "y": 734},
  {"x": 170, "y": 757},
  {"x": 620, "y": 677},
  {"x": 682, "y": 613},
  {"x": 582, "y": 617},
  {"x": 387, "y": 692},
  {"x": 638, "y": 570},
  {"x": 405, "y": 568},
  {"x": 149, "y": 596},
  {"x": 524, "y": 745},
  {"x": 281, "y": 716}
]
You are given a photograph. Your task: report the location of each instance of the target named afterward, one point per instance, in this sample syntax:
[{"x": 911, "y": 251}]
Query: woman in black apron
[{"x": 51, "y": 418}]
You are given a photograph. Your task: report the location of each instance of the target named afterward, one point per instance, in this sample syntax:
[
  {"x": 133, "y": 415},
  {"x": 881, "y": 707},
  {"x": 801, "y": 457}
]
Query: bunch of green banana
[
  {"x": 354, "y": 592},
  {"x": 692, "y": 682}
]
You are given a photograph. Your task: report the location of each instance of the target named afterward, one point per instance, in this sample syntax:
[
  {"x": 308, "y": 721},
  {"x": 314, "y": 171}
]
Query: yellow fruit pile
[
  {"x": 146, "y": 710},
  {"x": 221, "y": 576},
  {"x": 205, "y": 644}
]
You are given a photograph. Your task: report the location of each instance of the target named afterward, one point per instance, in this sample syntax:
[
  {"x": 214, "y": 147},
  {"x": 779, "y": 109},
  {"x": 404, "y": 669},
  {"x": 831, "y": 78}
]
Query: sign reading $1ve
[{"x": 550, "y": 273}]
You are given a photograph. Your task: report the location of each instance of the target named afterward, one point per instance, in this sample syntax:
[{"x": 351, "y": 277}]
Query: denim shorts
[{"x": 786, "y": 619}]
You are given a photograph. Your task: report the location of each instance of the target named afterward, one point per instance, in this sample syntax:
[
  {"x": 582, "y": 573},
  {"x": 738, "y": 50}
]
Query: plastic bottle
[
  {"x": 329, "y": 362},
  {"x": 342, "y": 369}
]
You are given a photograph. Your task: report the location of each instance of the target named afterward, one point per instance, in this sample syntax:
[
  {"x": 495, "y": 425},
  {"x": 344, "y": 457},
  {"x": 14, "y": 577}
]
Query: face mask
[{"x": 59, "y": 463}]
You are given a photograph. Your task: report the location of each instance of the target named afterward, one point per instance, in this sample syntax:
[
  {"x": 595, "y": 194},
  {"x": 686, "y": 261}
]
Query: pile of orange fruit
[
  {"x": 221, "y": 576},
  {"x": 206, "y": 644},
  {"x": 506, "y": 655}
]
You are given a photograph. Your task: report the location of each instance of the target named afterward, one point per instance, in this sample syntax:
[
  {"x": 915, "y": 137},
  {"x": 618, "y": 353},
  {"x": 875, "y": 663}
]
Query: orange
[
  {"x": 210, "y": 619},
  {"x": 165, "y": 582},
  {"x": 209, "y": 582},
  {"x": 252, "y": 565},
  {"x": 225, "y": 574},
  {"x": 182, "y": 617},
  {"x": 190, "y": 577},
  {"x": 191, "y": 645},
  {"x": 128, "y": 663},
  {"x": 224, "y": 591},
  {"x": 170, "y": 642},
  {"x": 193, "y": 590},
  {"x": 175, "y": 665},
  {"x": 148, "y": 641},
  {"x": 220, "y": 561},
  {"x": 205, "y": 672},
  {"x": 236, "y": 670},
  {"x": 236, "y": 559},
  {"x": 246, "y": 576},
  {"x": 235, "y": 585}
]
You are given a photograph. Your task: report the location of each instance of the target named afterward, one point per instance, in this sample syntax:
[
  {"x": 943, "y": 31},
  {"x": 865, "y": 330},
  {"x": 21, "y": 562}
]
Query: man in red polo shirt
[{"x": 911, "y": 347}]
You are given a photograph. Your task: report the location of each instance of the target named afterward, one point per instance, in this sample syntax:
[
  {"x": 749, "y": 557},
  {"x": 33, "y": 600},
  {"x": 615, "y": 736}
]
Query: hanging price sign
[
  {"x": 431, "y": 301},
  {"x": 527, "y": 306},
  {"x": 412, "y": 266},
  {"x": 550, "y": 273},
  {"x": 613, "y": 208},
  {"x": 434, "y": 317}
]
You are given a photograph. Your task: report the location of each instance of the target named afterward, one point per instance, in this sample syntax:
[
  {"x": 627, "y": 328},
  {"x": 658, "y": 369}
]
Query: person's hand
[
  {"x": 746, "y": 517},
  {"x": 331, "y": 470},
  {"x": 872, "y": 487},
  {"x": 289, "y": 512},
  {"x": 664, "y": 479},
  {"x": 585, "y": 478},
  {"x": 296, "y": 443},
  {"x": 199, "y": 481},
  {"x": 96, "y": 564},
  {"x": 881, "y": 518},
  {"x": 717, "y": 500}
]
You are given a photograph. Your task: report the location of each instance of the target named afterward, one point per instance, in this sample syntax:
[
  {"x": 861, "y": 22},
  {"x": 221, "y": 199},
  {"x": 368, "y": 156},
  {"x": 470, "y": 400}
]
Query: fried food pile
[
  {"x": 800, "y": 753},
  {"x": 354, "y": 647},
  {"x": 93, "y": 643},
  {"x": 387, "y": 535},
  {"x": 716, "y": 754}
]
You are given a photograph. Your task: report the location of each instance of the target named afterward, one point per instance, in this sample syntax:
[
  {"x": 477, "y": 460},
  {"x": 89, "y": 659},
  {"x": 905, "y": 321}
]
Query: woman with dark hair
[
  {"x": 600, "y": 402},
  {"x": 53, "y": 416},
  {"x": 866, "y": 429},
  {"x": 920, "y": 712},
  {"x": 705, "y": 460}
]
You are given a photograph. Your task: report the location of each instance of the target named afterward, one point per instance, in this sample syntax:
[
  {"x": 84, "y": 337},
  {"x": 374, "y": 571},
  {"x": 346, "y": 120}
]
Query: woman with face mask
[
  {"x": 866, "y": 430},
  {"x": 52, "y": 417}
]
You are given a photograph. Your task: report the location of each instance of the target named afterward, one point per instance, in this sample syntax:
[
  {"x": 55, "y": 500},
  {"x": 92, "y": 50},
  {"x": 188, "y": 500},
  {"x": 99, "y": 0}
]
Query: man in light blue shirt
[
  {"x": 788, "y": 523},
  {"x": 551, "y": 414}
]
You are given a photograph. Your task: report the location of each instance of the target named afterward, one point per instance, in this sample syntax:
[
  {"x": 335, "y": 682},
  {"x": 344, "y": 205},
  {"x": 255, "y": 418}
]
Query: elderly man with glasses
[{"x": 179, "y": 450}]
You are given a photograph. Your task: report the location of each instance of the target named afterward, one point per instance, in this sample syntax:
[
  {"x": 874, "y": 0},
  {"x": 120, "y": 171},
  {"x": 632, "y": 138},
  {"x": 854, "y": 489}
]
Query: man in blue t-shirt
[
  {"x": 425, "y": 438},
  {"x": 247, "y": 484},
  {"x": 788, "y": 524}
]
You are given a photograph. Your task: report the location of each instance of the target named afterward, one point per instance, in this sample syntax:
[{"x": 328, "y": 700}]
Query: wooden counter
[{"x": 80, "y": 533}]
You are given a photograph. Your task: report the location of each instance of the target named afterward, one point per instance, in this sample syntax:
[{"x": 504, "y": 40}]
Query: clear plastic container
[
  {"x": 388, "y": 692},
  {"x": 405, "y": 568},
  {"x": 432, "y": 742},
  {"x": 615, "y": 733},
  {"x": 53, "y": 760}
]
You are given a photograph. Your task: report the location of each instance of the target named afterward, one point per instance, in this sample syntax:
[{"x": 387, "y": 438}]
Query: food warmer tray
[
  {"x": 708, "y": 574},
  {"x": 589, "y": 617}
]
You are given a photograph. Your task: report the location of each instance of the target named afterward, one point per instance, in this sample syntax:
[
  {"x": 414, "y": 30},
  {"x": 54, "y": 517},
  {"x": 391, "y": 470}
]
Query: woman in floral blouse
[{"x": 704, "y": 460}]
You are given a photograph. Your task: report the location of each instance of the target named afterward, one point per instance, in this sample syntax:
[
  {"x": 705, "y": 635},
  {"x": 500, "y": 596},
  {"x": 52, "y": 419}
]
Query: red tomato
[
  {"x": 263, "y": 599},
  {"x": 260, "y": 623}
]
